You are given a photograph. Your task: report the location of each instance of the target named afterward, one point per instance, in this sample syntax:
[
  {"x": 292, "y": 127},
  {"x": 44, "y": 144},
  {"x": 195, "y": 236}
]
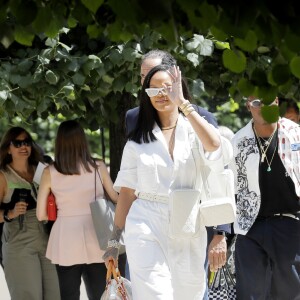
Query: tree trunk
[{"x": 117, "y": 134}]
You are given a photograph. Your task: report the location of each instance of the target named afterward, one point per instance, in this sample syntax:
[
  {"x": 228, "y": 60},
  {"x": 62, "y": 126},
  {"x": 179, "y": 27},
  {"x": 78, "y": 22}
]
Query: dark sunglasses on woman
[{"x": 19, "y": 143}]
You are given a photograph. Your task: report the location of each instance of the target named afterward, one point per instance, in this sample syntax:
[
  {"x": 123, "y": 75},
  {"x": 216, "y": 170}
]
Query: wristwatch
[
  {"x": 5, "y": 216},
  {"x": 219, "y": 232}
]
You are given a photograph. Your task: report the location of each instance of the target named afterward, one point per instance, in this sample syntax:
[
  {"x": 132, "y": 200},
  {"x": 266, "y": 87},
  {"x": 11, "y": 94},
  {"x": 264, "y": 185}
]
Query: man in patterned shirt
[{"x": 266, "y": 167}]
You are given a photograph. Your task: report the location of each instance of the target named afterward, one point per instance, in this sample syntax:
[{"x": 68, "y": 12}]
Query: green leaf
[
  {"x": 54, "y": 26},
  {"x": 26, "y": 12},
  {"x": 41, "y": 22},
  {"x": 72, "y": 22},
  {"x": 218, "y": 33},
  {"x": 115, "y": 56},
  {"x": 249, "y": 43},
  {"x": 25, "y": 81},
  {"x": 245, "y": 87},
  {"x": 222, "y": 45},
  {"x": 194, "y": 58},
  {"x": 206, "y": 48},
  {"x": 78, "y": 79},
  {"x": 119, "y": 84},
  {"x": 23, "y": 36},
  {"x": 263, "y": 49},
  {"x": 270, "y": 113},
  {"x": 295, "y": 66},
  {"x": 293, "y": 41},
  {"x": 235, "y": 61},
  {"x": 267, "y": 94},
  {"x": 92, "y": 5},
  {"x": 3, "y": 95},
  {"x": 24, "y": 66},
  {"x": 194, "y": 42},
  {"x": 93, "y": 31},
  {"x": 129, "y": 54},
  {"x": 281, "y": 74},
  {"x": 51, "y": 77}
]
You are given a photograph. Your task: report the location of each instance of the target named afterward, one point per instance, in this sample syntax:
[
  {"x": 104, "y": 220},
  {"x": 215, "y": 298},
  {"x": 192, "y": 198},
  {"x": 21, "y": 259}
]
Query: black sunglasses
[{"x": 19, "y": 143}]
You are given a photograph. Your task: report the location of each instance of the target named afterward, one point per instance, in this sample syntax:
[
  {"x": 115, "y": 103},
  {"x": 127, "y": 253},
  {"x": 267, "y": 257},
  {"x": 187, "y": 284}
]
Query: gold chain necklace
[
  {"x": 168, "y": 128},
  {"x": 267, "y": 144},
  {"x": 269, "y": 164}
]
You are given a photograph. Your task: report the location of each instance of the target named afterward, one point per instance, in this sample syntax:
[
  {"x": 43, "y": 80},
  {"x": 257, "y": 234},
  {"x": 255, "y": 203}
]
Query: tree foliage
[{"x": 81, "y": 58}]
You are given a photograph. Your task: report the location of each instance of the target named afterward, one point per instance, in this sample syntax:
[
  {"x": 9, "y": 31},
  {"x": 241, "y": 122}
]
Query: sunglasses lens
[
  {"x": 20, "y": 143},
  {"x": 256, "y": 103},
  {"x": 152, "y": 92}
]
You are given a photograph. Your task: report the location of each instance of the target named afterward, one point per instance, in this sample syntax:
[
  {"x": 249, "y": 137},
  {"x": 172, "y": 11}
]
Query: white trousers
[{"x": 161, "y": 267}]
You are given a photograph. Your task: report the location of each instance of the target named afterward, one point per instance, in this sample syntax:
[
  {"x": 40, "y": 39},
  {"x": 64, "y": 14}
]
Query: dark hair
[
  {"x": 6, "y": 158},
  {"x": 71, "y": 149},
  {"x": 166, "y": 57},
  {"x": 286, "y": 103},
  {"x": 147, "y": 113}
]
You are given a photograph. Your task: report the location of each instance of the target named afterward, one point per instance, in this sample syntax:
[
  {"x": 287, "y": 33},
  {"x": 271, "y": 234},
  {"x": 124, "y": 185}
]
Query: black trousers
[
  {"x": 1, "y": 230},
  {"x": 93, "y": 275},
  {"x": 267, "y": 260}
]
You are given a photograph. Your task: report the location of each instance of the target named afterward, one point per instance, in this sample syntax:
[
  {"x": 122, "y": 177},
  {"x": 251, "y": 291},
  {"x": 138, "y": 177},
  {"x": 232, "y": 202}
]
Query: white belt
[{"x": 153, "y": 197}]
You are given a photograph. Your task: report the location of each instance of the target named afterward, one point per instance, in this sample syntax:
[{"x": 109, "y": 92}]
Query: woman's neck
[
  {"x": 21, "y": 166},
  {"x": 168, "y": 119}
]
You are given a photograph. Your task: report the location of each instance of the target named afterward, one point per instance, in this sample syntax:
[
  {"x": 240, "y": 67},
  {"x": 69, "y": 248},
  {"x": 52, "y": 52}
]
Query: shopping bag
[
  {"x": 103, "y": 214},
  {"x": 222, "y": 285},
  {"x": 118, "y": 287}
]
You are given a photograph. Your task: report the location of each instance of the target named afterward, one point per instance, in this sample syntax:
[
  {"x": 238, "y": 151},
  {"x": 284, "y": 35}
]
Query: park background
[{"x": 63, "y": 59}]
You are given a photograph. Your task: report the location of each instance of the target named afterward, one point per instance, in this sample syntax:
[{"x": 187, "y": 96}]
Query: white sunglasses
[
  {"x": 256, "y": 103},
  {"x": 152, "y": 92}
]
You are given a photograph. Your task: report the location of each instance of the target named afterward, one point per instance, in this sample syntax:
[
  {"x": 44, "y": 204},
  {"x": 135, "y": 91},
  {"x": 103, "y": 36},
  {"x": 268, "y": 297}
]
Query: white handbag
[
  {"x": 218, "y": 205},
  {"x": 184, "y": 221},
  {"x": 211, "y": 202}
]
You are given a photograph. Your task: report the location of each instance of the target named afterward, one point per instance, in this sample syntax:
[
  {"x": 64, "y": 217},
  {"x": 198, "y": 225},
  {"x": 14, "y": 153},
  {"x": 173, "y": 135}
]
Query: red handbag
[{"x": 51, "y": 207}]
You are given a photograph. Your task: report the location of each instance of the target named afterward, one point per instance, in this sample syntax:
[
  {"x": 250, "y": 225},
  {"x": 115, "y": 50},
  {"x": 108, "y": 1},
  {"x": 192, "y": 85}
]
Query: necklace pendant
[
  {"x": 263, "y": 157},
  {"x": 269, "y": 169}
]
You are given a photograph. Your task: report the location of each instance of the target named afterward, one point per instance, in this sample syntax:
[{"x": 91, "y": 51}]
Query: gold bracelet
[
  {"x": 189, "y": 105},
  {"x": 184, "y": 105},
  {"x": 188, "y": 110}
]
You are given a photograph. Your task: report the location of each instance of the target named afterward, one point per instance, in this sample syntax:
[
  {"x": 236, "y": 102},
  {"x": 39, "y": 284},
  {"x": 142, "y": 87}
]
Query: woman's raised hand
[{"x": 174, "y": 92}]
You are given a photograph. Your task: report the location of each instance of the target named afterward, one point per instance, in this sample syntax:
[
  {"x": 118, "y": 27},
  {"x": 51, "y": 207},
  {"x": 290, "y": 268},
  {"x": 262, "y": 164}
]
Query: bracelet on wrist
[
  {"x": 188, "y": 109},
  {"x": 219, "y": 232},
  {"x": 184, "y": 105},
  {"x": 5, "y": 216},
  {"x": 113, "y": 244}
]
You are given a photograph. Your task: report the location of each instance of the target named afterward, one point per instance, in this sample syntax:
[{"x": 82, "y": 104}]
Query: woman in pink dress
[{"x": 73, "y": 246}]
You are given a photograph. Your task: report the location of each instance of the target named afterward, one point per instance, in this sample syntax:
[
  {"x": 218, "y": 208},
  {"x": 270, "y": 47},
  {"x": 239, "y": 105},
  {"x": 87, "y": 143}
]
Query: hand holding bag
[
  {"x": 51, "y": 207},
  {"x": 103, "y": 214},
  {"x": 118, "y": 288}
]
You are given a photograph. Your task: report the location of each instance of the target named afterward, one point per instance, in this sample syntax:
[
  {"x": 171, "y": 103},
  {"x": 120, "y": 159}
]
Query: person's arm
[
  {"x": 3, "y": 186},
  {"x": 107, "y": 182},
  {"x": 19, "y": 208},
  {"x": 44, "y": 190},
  {"x": 208, "y": 136},
  {"x": 125, "y": 200}
]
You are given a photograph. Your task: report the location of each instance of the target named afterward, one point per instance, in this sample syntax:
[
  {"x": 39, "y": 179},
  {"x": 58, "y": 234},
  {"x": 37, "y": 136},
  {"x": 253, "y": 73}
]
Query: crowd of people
[{"x": 158, "y": 158}]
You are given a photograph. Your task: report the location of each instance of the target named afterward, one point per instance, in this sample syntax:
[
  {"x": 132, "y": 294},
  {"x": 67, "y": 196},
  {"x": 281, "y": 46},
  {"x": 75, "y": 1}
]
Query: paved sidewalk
[{"x": 5, "y": 294}]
